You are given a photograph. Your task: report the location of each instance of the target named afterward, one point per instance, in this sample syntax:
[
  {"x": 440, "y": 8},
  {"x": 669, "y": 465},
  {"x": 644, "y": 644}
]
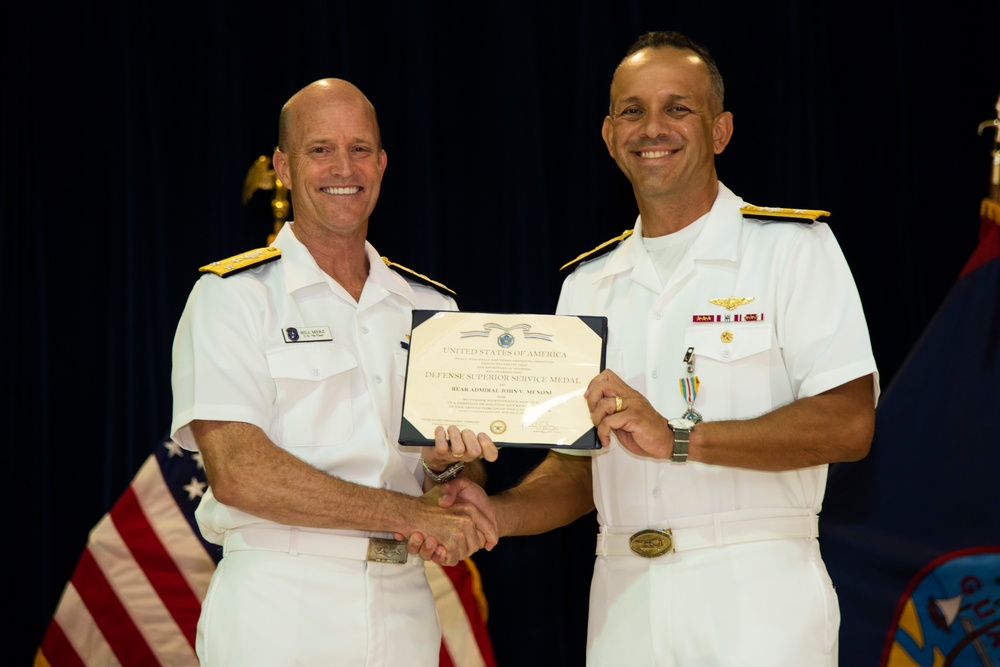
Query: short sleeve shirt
[
  {"x": 282, "y": 346},
  {"x": 770, "y": 312}
]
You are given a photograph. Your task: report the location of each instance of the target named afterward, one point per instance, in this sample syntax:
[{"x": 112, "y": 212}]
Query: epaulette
[
  {"x": 607, "y": 246},
  {"x": 789, "y": 214},
  {"x": 245, "y": 260},
  {"x": 419, "y": 277}
]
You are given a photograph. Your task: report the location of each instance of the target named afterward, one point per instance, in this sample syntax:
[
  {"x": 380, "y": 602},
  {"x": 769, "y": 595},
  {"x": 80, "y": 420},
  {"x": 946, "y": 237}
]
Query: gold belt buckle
[
  {"x": 384, "y": 550},
  {"x": 651, "y": 543}
]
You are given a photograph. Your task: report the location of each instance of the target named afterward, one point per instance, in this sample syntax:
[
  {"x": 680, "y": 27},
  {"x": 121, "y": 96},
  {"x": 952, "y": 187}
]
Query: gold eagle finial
[
  {"x": 262, "y": 177},
  {"x": 259, "y": 177}
]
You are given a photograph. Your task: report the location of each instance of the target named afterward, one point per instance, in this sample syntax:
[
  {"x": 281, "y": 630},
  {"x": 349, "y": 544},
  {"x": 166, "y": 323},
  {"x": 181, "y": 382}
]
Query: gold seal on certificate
[{"x": 519, "y": 378}]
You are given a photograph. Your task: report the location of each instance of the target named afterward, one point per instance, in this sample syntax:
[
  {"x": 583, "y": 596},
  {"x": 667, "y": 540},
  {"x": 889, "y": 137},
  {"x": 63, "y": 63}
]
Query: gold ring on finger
[{"x": 618, "y": 403}]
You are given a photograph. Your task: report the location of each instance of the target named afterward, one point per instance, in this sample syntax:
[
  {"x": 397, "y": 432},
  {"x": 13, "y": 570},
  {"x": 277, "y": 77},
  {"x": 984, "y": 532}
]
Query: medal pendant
[
  {"x": 692, "y": 414},
  {"x": 689, "y": 390}
]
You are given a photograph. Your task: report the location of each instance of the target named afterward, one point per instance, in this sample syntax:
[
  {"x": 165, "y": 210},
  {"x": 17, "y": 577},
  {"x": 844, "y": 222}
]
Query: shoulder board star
[
  {"x": 243, "y": 261},
  {"x": 419, "y": 277},
  {"x": 605, "y": 247},
  {"x": 784, "y": 214}
]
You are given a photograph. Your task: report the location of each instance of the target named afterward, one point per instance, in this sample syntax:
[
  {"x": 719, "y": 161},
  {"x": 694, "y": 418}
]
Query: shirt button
[
  {"x": 726, "y": 354},
  {"x": 655, "y": 374},
  {"x": 378, "y": 379},
  {"x": 658, "y": 316},
  {"x": 364, "y": 330},
  {"x": 314, "y": 372}
]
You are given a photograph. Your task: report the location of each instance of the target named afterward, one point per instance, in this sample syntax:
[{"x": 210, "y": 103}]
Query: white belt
[
  {"x": 707, "y": 531},
  {"x": 297, "y": 541}
]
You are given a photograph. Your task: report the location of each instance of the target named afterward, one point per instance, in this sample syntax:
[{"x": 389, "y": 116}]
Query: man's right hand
[{"x": 459, "y": 496}]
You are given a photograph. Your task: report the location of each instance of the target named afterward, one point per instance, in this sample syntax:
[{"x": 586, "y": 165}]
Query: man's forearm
[{"x": 557, "y": 492}]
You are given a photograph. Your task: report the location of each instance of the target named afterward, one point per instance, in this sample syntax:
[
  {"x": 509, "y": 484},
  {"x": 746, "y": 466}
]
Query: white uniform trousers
[
  {"x": 272, "y": 609},
  {"x": 757, "y": 604}
]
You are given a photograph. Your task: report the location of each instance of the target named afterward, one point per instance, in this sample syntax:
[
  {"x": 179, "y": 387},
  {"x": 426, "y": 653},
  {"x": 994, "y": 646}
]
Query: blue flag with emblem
[{"x": 911, "y": 534}]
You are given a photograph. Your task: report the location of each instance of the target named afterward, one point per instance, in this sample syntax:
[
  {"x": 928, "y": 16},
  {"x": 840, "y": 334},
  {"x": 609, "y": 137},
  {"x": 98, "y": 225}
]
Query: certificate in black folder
[{"x": 519, "y": 378}]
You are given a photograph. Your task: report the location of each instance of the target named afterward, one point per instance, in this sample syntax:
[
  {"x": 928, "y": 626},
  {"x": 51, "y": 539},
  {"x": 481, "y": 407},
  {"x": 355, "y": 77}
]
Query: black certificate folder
[{"x": 519, "y": 378}]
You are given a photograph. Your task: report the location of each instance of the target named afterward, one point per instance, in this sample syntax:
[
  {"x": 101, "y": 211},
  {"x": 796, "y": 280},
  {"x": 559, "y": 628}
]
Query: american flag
[{"x": 135, "y": 595}]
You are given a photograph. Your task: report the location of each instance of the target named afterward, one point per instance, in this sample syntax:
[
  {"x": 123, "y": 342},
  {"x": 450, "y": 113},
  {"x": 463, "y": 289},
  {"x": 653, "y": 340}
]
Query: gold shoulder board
[
  {"x": 419, "y": 277},
  {"x": 245, "y": 260},
  {"x": 607, "y": 246},
  {"x": 790, "y": 214}
]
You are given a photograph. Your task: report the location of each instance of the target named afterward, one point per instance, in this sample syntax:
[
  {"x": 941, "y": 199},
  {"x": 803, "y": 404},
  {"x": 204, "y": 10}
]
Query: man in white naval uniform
[
  {"x": 288, "y": 371},
  {"x": 738, "y": 367}
]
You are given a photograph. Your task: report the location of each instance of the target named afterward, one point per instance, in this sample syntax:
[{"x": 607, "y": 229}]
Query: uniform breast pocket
[
  {"x": 732, "y": 364},
  {"x": 313, "y": 382}
]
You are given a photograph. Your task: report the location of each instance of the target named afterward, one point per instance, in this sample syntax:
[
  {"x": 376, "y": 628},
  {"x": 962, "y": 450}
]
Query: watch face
[{"x": 682, "y": 423}]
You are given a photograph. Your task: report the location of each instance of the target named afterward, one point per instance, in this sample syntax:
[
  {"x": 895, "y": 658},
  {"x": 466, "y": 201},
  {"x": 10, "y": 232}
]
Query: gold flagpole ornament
[
  {"x": 262, "y": 177},
  {"x": 995, "y": 171}
]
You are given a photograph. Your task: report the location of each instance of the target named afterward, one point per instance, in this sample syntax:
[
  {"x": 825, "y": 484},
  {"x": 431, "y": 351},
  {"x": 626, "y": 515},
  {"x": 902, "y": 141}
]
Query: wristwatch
[
  {"x": 682, "y": 435},
  {"x": 451, "y": 472}
]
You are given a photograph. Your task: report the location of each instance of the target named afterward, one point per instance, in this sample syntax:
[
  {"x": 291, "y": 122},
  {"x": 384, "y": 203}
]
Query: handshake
[{"x": 455, "y": 517}]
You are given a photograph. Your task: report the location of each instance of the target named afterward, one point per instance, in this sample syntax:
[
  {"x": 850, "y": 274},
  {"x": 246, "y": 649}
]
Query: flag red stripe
[
  {"x": 109, "y": 614},
  {"x": 463, "y": 581},
  {"x": 137, "y": 589},
  {"x": 444, "y": 659},
  {"x": 478, "y": 627},
  {"x": 157, "y": 563},
  {"x": 988, "y": 248},
  {"x": 56, "y": 649}
]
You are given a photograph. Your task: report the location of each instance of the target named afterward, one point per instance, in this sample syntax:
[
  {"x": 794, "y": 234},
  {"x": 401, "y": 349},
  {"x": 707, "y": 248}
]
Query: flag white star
[
  {"x": 173, "y": 448},
  {"x": 195, "y": 488}
]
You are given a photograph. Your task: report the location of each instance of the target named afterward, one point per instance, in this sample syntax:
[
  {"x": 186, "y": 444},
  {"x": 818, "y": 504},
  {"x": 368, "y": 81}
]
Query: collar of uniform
[
  {"x": 632, "y": 257},
  {"x": 301, "y": 270},
  {"x": 386, "y": 278},
  {"x": 719, "y": 240}
]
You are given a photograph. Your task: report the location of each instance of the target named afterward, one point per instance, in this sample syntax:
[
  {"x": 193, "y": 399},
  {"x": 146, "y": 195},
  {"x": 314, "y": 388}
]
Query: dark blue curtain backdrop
[{"x": 128, "y": 128}]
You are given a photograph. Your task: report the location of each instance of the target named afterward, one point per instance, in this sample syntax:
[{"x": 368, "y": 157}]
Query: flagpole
[{"x": 995, "y": 171}]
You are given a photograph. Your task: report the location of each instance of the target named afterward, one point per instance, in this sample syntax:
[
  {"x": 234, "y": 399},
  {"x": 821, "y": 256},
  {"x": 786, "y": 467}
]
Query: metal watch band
[{"x": 451, "y": 472}]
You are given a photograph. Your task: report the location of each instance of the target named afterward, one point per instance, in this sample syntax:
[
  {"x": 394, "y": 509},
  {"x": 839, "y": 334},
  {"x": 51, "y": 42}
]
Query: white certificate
[{"x": 519, "y": 378}]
